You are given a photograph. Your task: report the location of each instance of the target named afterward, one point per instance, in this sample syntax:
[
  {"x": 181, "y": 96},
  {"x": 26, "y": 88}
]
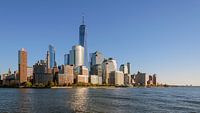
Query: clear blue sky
[{"x": 156, "y": 36}]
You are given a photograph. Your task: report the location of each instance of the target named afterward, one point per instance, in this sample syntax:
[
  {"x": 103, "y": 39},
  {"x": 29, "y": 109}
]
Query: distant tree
[
  {"x": 40, "y": 85},
  {"x": 28, "y": 84},
  {"x": 50, "y": 84}
]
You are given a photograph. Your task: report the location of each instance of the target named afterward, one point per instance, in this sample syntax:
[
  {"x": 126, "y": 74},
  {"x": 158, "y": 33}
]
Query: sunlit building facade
[
  {"x": 108, "y": 66},
  {"x": 116, "y": 78},
  {"x": 76, "y": 56},
  {"x": 22, "y": 62}
]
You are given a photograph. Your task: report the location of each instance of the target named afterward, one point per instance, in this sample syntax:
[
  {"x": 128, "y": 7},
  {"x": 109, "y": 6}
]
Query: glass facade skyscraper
[
  {"x": 66, "y": 59},
  {"x": 52, "y": 53},
  {"x": 83, "y": 41},
  {"x": 96, "y": 58}
]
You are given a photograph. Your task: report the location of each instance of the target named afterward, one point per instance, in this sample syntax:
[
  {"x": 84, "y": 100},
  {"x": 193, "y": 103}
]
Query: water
[{"x": 119, "y": 100}]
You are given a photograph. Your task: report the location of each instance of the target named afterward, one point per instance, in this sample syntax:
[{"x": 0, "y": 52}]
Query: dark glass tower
[{"x": 83, "y": 41}]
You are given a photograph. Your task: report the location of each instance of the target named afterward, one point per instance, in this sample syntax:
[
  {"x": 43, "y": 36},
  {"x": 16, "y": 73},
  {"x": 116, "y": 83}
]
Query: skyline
[{"x": 171, "y": 51}]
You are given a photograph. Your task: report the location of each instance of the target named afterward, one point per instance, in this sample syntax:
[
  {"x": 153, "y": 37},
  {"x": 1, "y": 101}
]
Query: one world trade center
[{"x": 83, "y": 41}]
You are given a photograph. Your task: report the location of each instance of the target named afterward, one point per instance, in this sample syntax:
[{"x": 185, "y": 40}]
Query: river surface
[{"x": 90, "y": 100}]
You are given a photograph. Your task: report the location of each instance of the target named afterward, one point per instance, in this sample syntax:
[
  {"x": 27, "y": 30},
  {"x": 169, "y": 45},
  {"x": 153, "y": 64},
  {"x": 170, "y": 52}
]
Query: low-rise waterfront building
[
  {"x": 94, "y": 79},
  {"x": 40, "y": 75},
  {"x": 30, "y": 74},
  {"x": 62, "y": 79},
  {"x": 66, "y": 75},
  {"x": 81, "y": 74},
  {"x": 140, "y": 79},
  {"x": 152, "y": 80},
  {"x": 116, "y": 78},
  {"x": 82, "y": 79},
  {"x": 100, "y": 80},
  {"x": 127, "y": 79},
  {"x": 69, "y": 71}
]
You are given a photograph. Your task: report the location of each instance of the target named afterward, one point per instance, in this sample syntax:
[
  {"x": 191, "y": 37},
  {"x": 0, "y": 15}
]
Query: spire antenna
[{"x": 83, "y": 21}]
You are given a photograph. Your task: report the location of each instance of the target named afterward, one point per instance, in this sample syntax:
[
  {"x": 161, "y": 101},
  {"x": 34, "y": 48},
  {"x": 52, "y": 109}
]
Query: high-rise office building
[
  {"x": 83, "y": 41},
  {"x": 52, "y": 54},
  {"x": 97, "y": 70},
  {"x": 129, "y": 67},
  {"x": 116, "y": 78},
  {"x": 48, "y": 60},
  {"x": 22, "y": 62},
  {"x": 71, "y": 57},
  {"x": 108, "y": 66},
  {"x": 77, "y": 56},
  {"x": 124, "y": 68},
  {"x": 66, "y": 59},
  {"x": 154, "y": 80},
  {"x": 97, "y": 58}
]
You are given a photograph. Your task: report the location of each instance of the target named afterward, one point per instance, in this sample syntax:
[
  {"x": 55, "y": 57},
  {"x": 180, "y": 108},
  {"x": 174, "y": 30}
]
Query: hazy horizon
[{"x": 155, "y": 36}]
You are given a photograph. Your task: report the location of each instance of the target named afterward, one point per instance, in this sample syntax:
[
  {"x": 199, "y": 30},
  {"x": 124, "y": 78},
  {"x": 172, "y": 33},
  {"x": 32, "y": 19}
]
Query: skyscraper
[
  {"x": 78, "y": 55},
  {"x": 71, "y": 57},
  {"x": 52, "y": 54},
  {"x": 48, "y": 59},
  {"x": 97, "y": 58},
  {"x": 124, "y": 69},
  {"x": 108, "y": 66},
  {"x": 129, "y": 67},
  {"x": 83, "y": 41},
  {"x": 154, "y": 80},
  {"x": 22, "y": 62},
  {"x": 66, "y": 59}
]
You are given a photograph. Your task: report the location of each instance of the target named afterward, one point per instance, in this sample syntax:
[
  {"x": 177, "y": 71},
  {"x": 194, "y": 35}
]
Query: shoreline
[{"x": 97, "y": 87}]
